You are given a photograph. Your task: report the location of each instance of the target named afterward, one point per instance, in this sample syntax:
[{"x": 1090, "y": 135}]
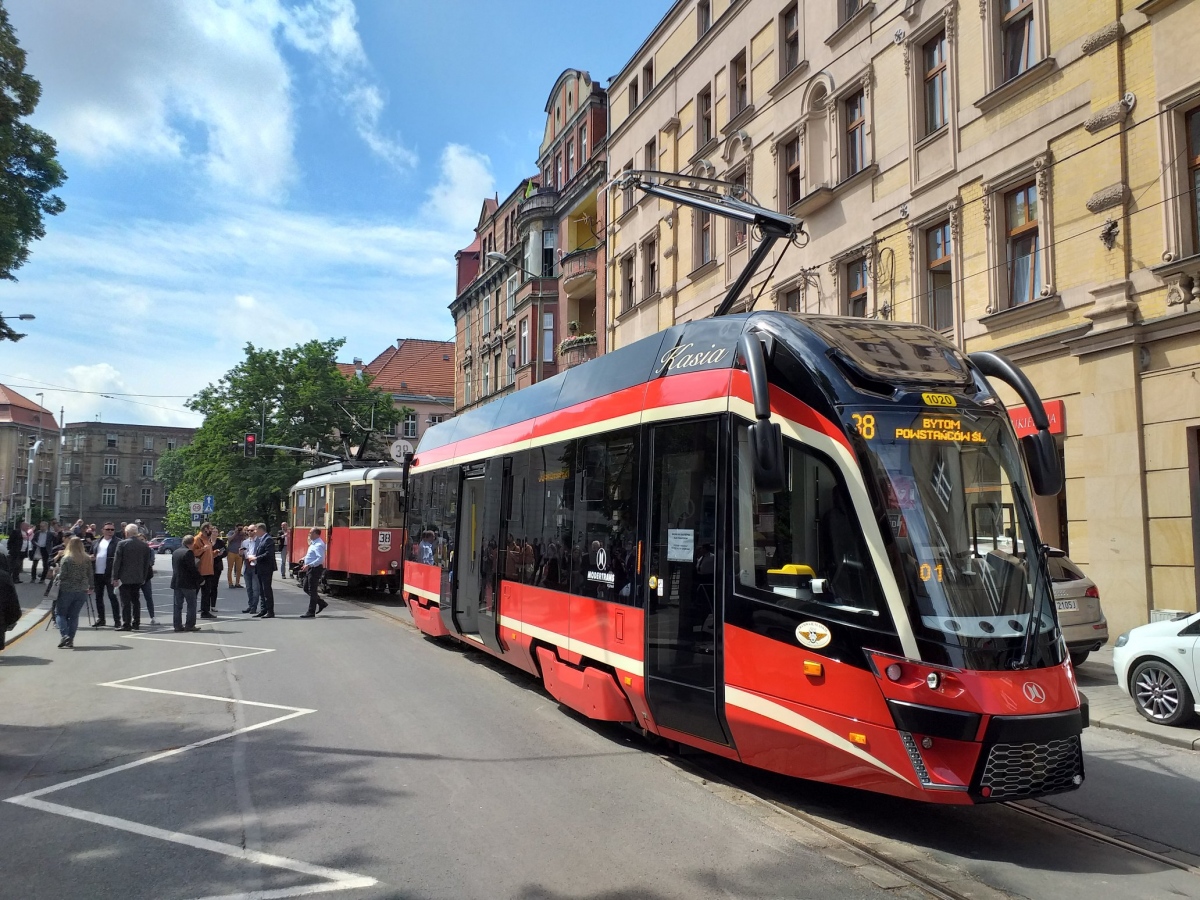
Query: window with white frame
[
  {"x": 558, "y": 170},
  {"x": 148, "y": 442},
  {"x": 703, "y": 18},
  {"x": 793, "y": 170},
  {"x": 147, "y": 496},
  {"x": 549, "y": 246},
  {"x": 647, "y": 78},
  {"x": 739, "y": 85},
  {"x": 487, "y": 314},
  {"x": 939, "y": 280},
  {"x": 437, "y": 419},
  {"x": 108, "y": 496},
  {"x": 704, "y": 236},
  {"x": 497, "y": 370},
  {"x": 704, "y": 117},
  {"x": 626, "y": 282},
  {"x": 510, "y": 301},
  {"x": 170, "y": 443},
  {"x": 935, "y": 94},
  {"x": 570, "y": 159},
  {"x": 467, "y": 387},
  {"x": 650, "y": 263},
  {"x": 523, "y": 343},
  {"x": 485, "y": 379},
  {"x": 627, "y": 198},
  {"x": 112, "y": 439},
  {"x": 634, "y": 96},
  {"x": 1022, "y": 240},
  {"x": 583, "y": 145},
  {"x": 410, "y": 419},
  {"x": 547, "y": 337},
  {"x": 467, "y": 327},
  {"x": 737, "y": 230},
  {"x": 110, "y": 465},
  {"x": 1018, "y": 37},
  {"x": 856, "y": 287},
  {"x": 789, "y": 39},
  {"x": 651, "y": 153},
  {"x": 147, "y": 468},
  {"x": 854, "y": 110}
]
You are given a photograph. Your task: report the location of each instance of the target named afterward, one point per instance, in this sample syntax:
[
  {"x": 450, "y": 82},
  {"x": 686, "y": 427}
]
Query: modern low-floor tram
[{"x": 802, "y": 542}]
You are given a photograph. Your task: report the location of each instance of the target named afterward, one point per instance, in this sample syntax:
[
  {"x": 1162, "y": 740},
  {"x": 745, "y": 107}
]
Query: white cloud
[
  {"x": 199, "y": 82},
  {"x": 466, "y": 179}
]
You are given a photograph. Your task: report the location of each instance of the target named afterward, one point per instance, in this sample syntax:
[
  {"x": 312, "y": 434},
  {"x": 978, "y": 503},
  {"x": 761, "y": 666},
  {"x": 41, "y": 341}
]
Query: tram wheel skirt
[{"x": 586, "y": 690}]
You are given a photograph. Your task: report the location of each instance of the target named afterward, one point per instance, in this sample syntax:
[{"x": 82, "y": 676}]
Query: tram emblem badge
[
  {"x": 385, "y": 541},
  {"x": 813, "y": 635},
  {"x": 1034, "y": 693}
]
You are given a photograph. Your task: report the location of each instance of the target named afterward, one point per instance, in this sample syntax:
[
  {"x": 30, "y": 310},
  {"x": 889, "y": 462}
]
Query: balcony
[
  {"x": 575, "y": 350},
  {"x": 538, "y": 205},
  {"x": 578, "y": 273}
]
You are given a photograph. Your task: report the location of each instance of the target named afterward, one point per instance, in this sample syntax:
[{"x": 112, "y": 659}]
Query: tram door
[
  {"x": 470, "y": 553},
  {"x": 682, "y": 614}
]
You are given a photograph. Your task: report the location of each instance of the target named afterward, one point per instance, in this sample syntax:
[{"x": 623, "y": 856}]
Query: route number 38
[{"x": 864, "y": 424}]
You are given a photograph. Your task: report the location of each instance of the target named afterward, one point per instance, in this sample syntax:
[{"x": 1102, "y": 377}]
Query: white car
[{"x": 1158, "y": 665}]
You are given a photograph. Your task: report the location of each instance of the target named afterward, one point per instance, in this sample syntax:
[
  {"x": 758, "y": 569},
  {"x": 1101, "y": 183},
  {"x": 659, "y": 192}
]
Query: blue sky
[{"x": 271, "y": 171}]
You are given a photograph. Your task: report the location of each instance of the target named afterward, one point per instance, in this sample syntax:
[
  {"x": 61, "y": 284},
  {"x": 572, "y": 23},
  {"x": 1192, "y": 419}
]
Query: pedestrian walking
[
  {"x": 16, "y": 551},
  {"x": 42, "y": 542},
  {"x": 76, "y": 583},
  {"x": 202, "y": 548},
  {"x": 312, "y": 567},
  {"x": 185, "y": 582},
  {"x": 131, "y": 562},
  {"x": 10, "y": 605},
  {"x": 262, "y": 560},
  {"x": 233, "y": 550},
  {"x": 104, "y": 551},
  {"x": 147, "y": 588}
]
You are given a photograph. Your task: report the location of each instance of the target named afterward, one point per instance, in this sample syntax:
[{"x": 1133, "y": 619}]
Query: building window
[
  {"x": 549, "y": 245},
  {"x": 792, "y": 169},
  {"x": 547, "y": 337},
  {"x": 410, "y": 419},
  {"x": 936, "y": 104},
  {"x": 496, "y": 371},
  {"x": 704, "y": 121},
  {"x": 147, "y": 468},
  {"x": 147, "y": 496},
  {"x": 78, "y": 442},
  {"x": 647, "y": 78},
  {"x": 737, "y": 230},
  {"x": 1022, "y": 244},
  {"x": 652, "y": 153},
  {"x": 1017, "y": 34},
  {"x": 704, "y": 249},
  {"x": 523, "y": 344},
  {"x": 626, "y": 282},
  {"x": 583, "y": 143},
  {"x": 703, "y": 18},
  {"x": 487, "y": 314},
  {"x": 856, "y": 133},
  {"x": 739, "y": 88},
  {"x": 570, "y": 159},
  {"x": 856, "y": 288},
  {"x": 148, "y": 443},
  {"x": 485, "y": 383},
  {"x": 634, "y": 98},
  {"x": 108, "y": 496},
  {"x": 467, "y": 388},
  {"x": 627, "y": 191},
  {"x": 467, "y": 328},
  {"x": 112, "y": 440},
  {"x": 650, "y": 255},
  {"x": 170, "y": 443},
  {"x": 1192, "y": 123},
  {"x": 511, "y": 295},
  {"x": 439, "y": 419},
  {"x": 558, "y": 170},
  {"x": 849, "y": 8},
  {"x": 75, "y": 467},
  {"x": 939, "y": 292},
  {"x": 110, "y": 465},
  {"x": 791, "y": 301},
  {"x": 790, "y": 28}
]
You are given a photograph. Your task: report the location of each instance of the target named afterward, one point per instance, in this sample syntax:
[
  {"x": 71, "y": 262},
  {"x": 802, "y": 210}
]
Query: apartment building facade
[
  {"x": 419, "y": 374},
  {"x": 24, "y": 475},
  {"x": 1020, "y": 175}
]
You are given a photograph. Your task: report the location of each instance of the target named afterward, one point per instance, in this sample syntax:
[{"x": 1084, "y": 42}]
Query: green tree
[
  {"x": 295, "y": 398},
  {"x": 29, "y": 168}
]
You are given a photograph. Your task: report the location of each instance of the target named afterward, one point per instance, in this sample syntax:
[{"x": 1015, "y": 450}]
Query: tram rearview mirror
[
  {"x": 1041, "y": 456},
  {"x": 766, "y": 448}
]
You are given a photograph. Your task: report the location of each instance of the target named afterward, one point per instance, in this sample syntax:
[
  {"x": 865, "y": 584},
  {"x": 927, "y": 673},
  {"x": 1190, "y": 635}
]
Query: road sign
[
  {"x": 195, "y": 517},
  {"x": 197, "y": 508},
  {"x": 209, "y": 504},
  {"x": 399, "y": 448}
]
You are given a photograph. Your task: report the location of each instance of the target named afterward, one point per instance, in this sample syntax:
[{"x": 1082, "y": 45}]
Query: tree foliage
[
  {"x": 29, "y": 167},
  {"x": 296, "y": 398}
]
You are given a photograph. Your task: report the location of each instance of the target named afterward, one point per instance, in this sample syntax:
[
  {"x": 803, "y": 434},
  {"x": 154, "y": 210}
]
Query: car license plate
[{"x": 1066, "y": 605}]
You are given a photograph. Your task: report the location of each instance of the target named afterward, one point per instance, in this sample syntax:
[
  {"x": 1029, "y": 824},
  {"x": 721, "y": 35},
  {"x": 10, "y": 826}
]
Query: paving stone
[{"x": 883, "y": 878}]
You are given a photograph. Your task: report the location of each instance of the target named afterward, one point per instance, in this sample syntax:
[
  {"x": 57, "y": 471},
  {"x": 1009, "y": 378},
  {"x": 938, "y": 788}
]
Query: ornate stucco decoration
[
  {"x": 1108, "y": 197},
  {"x": 1111, "y": 115},
  {"x": 1102, "y": 38}
]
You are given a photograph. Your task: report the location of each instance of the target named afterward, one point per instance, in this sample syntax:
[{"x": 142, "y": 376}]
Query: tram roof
[
  {"x": 872, "y": 354},
  {"x": 349, "y": 474}
]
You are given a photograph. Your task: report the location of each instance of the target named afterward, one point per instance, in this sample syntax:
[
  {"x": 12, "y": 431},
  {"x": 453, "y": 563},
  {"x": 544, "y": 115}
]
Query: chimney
[{"x": 357, "y": 367}]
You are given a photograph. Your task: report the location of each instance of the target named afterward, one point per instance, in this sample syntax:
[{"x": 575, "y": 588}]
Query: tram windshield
[{"x": 956, "y": 500}]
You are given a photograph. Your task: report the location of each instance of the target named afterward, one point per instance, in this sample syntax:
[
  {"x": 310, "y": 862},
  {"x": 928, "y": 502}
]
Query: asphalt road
[{"x": 276, "y": 758}]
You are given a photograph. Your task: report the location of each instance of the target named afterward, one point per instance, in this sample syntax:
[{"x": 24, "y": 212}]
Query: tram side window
[
  {"x": 391, "y": 505},
  {"x": 606, "y": 517},
  {"x": 802, "y": 547},
  {"x": 549, "y": 503},
  {"x": 518, "y": 559},
  {"x": 360, "y": 506},
  {"x": 294, "y": 505},
  {"x": 318, "y": 507},
  {"x": 433, "y": 510},
  {"x": 341, "y": 506},
  {"x": 309, "y": 497}
]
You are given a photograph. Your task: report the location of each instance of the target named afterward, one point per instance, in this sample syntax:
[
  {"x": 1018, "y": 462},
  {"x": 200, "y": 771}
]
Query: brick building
[{"x": 419, "y": 374}]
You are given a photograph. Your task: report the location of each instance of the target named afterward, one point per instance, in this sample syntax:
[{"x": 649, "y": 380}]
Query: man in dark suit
[
  {"x": 133, "y": 562},
  {"x": 263, "y": 564},
  {"x": 185, "y": 582}
]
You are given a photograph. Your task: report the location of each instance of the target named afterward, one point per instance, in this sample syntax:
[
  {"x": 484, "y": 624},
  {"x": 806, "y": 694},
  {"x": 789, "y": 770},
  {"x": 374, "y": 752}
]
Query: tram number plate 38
[
  {"x": 1066, "y": 605},
  {"x": 385, "y": 541}
]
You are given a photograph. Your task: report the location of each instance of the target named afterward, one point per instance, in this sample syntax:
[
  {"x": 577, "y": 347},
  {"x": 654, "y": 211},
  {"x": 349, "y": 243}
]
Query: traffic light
[{"x": 251, "y": 445}]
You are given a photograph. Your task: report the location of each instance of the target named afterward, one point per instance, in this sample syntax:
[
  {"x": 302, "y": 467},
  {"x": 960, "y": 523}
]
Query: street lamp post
[
  {"x": 537, "y": 325},
  {"x": 7, "y": 331}
]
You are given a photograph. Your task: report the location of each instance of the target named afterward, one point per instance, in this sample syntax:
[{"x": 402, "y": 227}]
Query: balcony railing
[
  {"x": 576, "y": 264},
  {"x": 537, "y": 205},
  {"x": 576, "y": 350}
]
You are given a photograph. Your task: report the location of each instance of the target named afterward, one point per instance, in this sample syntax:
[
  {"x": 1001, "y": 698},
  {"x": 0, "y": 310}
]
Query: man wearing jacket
[
  {"x": 185, "y": 582},
  {"x": 261, "y": 559},
  {"x": 104, "y": 551},
  {"x": 132, "y": 561},
  {"x": 16, "y": 551}
]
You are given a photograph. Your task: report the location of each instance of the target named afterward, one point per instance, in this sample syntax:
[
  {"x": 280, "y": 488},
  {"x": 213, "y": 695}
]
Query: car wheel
[
  {"x": 1160, "y": 693},
  {"x": 1080, "y": 657}
]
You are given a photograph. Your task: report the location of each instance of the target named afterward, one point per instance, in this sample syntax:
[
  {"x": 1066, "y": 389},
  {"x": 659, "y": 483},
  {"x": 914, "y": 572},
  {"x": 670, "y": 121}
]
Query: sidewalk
[
  {"x": 1110, "y": 707},
  {"x": 34, "y": 608}
]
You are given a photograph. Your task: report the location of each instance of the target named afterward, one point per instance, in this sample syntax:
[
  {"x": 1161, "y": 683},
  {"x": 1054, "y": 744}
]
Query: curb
[
  {"x": 1184, "y": 740},
  {"x": 29, "y": 620}
]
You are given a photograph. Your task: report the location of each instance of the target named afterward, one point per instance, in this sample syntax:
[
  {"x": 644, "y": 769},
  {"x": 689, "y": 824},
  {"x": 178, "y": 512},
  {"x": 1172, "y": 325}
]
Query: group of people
[
  {"x": 47, "y": 540},
  {"x": 197, "y": 565}
]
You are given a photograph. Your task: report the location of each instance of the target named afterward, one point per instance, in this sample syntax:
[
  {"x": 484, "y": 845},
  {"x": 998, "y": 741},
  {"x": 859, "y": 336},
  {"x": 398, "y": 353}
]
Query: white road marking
[{"x": 334, "y": 879}]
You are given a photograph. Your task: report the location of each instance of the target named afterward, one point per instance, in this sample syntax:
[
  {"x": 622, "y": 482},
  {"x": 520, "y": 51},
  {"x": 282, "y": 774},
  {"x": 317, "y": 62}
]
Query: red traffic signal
[{"x": 251, "y": 445}]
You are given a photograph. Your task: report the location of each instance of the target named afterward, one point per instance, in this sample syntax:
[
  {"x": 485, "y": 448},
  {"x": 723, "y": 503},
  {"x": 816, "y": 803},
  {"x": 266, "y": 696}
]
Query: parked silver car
[{"x": 1079, "y": 614}]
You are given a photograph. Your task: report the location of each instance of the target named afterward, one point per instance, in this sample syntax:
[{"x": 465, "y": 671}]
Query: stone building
[
  {"x": 1020, "y": 176},
  {"x": 108, "y": 469},
  {"x": 22, "y": 424}
]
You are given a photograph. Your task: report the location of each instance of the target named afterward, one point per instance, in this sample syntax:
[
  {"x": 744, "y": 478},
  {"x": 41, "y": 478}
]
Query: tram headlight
[
  {"x": 893, "y": 672},
  {"x": 934, "y": 680},
  {"x": 395, "y": 564}
]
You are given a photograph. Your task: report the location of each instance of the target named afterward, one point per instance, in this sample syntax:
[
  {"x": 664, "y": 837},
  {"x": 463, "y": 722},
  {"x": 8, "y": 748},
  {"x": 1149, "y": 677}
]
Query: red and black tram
[
  {"x": 360, "y": 511},
  {"x": 806, "y": 543}
]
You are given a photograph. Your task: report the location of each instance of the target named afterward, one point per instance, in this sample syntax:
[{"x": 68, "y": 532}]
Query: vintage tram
[
  {"x": 360, "y": 511},
  {"x": 807, "y": 543}
]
